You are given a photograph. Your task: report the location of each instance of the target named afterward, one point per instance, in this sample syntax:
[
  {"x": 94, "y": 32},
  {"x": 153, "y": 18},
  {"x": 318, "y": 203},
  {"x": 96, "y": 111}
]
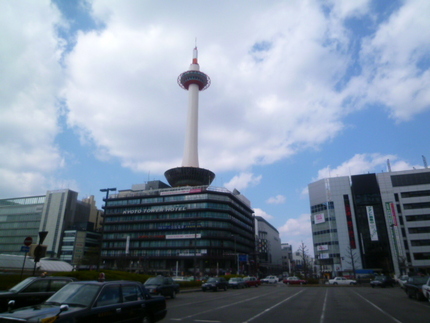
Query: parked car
[
  {"x": 215, "y": 283},
  {"x": 426, "y": 290},
  {"x": 161, "y": 285},
  {"x": 251, "y": 281},
  {"x": 294, "y": 281},
  {"x": 92, "y": 301},
  {"x": 382, "y": 281},
  {"x": 413, "y": 287},
  {"x": 32, "y": 291},
  {"x": 402, "y": 280},
  {"x": 342, "y": 281},
  {"x": 270, "y": 280},
  {"x": 236, "y": 282}
]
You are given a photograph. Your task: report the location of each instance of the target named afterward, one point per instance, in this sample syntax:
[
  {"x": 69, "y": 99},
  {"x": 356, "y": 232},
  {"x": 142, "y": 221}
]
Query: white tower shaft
[{"x": 191, "y": 158}]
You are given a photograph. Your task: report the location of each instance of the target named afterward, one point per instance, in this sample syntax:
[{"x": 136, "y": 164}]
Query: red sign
[{"x": 28, "y": 241}]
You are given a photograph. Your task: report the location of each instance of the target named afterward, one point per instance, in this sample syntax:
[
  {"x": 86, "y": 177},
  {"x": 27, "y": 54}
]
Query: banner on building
[
  {"x": 319, "y": 218},
  {"x": 322, "y": 247},
  {"x": 372, "y": 223},
  {"x": 324, "y": 256}
]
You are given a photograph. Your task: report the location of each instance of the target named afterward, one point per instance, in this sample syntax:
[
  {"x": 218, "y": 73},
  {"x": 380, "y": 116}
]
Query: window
[
  {"x": 131, "y": 293},
  {"x": 109, "y": 296},
  {"x": 57, "y": 284},
  {"x": 37, "y": 286}
]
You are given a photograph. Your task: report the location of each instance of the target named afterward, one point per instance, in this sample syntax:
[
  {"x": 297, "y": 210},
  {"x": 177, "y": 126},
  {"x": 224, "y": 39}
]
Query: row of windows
[
  {"x": 322, "y": 207},
  {"x": 144, "y": 226},
  {"x": 182, "y": 243},
  {"x": 23, "y": 201},
  {"x": 330, "y": 243},
  {"x": 158, "y": 212},
  {"x": 20, "y": 225},
  {"x": 19, "y": 217},
  {"x": 415, "y": 194},
  {"x": 413, "y": 206},
  {"x": 161, "y": 235},
  {"x": 410, "y": 179},
  {"x": 177, "y": 198},
  {"x": 419, "y": 243},
  {"x": 324, "y": 232},
  {"x": 419, "y": 230},
  {"x": 146, "y": 254},
  {"x": 419, "y": 217},
  {"x": 22, "y": 232},
  {"x": 422, "y": 256}
]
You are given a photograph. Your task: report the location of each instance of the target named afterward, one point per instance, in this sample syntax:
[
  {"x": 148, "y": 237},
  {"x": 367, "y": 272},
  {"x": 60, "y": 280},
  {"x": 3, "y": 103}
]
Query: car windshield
[
  {"x": 154, "y": 280},
  {"x": 75, "y": 294},
  {"x": 379, "y": 278},
  {"x": 418, "y": 280},
  {"x": 212, "y": 280},
  {"x": 21, "y": 285},
  {"x": 235, "y": 279}
]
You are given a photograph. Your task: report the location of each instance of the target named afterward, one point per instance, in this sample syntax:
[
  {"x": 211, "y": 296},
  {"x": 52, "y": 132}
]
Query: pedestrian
[{"x": 101, "y": 277}]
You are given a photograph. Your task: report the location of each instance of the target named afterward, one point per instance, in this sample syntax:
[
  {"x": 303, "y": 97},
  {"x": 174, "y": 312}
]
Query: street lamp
[
  {"x": 236, "y": 255},
  {"x": 107, "y": 190}
]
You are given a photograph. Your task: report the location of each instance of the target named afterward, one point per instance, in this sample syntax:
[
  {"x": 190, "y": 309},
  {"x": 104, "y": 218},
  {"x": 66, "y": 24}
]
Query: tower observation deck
[{"x": 190, "y": 174}]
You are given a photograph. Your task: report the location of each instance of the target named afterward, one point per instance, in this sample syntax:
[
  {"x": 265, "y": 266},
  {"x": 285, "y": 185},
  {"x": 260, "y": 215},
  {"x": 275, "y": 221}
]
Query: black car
[
  {"x": 94, "y": 302},
  {"x": 161, "y": 285},
  {"x": 382, "y": 281},
  {"x": 215, "y": 283},
  {"x": 32, "y": 291},
  {"x": 413, "y": 287}
]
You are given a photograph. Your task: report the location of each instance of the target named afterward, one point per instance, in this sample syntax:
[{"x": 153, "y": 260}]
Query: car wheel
[
  {"x": 173, "y": 295},
  {"x": 216, "y": 289},
  {"x": 225, "y": 288},
  {"x": 410, "y": 294},
  {"x": 334, "y": 283}
]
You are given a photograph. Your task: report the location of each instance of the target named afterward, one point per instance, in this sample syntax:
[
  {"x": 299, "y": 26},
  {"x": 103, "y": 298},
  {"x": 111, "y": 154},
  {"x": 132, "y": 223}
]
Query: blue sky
[{"x": 301, "y": 90}]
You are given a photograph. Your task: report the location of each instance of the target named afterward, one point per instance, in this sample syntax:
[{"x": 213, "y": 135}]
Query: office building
[
  {"x": 160, "y": 229},
  {"x": 269, "y": 254},
  {"x": 54, "y": 212},
  {"x": 379, "y": 222}
]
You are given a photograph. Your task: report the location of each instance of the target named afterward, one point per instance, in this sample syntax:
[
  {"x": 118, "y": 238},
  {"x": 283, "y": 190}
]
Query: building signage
[
  {"x": 156, "y": 209},
  {"x": 193, "y": 190},
  {"x": 322, "y": 247},
  {"x": 372, "y": 223},
  {"x": 184, "y": 236},
  {"x": 324, "y": 256},
  {"x": 152, "y": 237},
  {"x": 319, "y": 218}
]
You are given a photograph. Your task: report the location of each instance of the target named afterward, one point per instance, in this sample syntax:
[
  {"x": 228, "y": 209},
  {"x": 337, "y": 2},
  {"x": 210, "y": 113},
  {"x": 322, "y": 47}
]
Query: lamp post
[
  {"x": 107, "y": 190},
  {"x": 236, "y": 255}
]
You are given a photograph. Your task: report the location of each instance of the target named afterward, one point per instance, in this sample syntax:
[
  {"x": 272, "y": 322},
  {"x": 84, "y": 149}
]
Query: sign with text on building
[
  {"x": 319, "y": 218},
  {"x": 372, "y": 223},
  {"x": 184, "y": 236},
  {"x": 324, "y": 256},
  {"x": 322, "y": 247}
]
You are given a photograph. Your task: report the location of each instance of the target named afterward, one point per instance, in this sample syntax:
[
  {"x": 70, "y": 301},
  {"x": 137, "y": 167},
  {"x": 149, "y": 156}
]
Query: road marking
[
  {"x": 378, "y": 308},
  {"x": 324, "y": 307},
  {"x": 272, "y": 307}
]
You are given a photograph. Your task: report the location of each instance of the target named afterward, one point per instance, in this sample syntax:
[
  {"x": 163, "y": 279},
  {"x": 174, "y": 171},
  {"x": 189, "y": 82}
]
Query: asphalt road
[{"x": 282, "y": 303}]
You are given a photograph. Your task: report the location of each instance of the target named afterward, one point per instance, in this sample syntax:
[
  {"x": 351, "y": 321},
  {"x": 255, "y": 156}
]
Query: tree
[
  {"x": 304, "y": 254},
  {"x": 352, "y": 258}
]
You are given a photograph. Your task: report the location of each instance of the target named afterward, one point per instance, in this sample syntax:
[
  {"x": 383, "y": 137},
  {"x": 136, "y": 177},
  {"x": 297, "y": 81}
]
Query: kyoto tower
[{"x": 190, "y": 174}]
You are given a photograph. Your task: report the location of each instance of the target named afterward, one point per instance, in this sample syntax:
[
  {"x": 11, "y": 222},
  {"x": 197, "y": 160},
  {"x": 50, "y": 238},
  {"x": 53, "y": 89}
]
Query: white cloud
[
  {"x": 297, "y": 230},
  {"x": 263, "y": 214},
  {"x": 365, "y": 163},
  {"x": 278, "y": 199},
  {"x": 30, "y": 79},
  {"x": 242, "y": 181}
]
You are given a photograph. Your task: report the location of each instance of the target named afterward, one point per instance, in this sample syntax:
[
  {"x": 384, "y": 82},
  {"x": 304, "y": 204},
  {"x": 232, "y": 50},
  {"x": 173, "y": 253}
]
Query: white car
[
  {"x": 270, "y": 280},
  {"x": 426, "y": 290},
  {"x": 342, "y": 281}
]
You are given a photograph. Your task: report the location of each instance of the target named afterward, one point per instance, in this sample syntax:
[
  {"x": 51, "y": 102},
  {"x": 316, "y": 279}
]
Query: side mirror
[
  {"x": 10, "y": 305},
  {"x": 64, "y": 308}
]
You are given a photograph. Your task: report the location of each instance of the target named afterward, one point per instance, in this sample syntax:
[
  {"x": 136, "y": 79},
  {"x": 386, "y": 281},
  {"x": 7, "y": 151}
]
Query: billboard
[
  {"x": 319, "y": 218},
  {"x": 372, "y": 223}
]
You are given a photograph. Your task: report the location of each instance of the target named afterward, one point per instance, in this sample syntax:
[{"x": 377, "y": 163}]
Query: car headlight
[{"x": 48, "y": 319}]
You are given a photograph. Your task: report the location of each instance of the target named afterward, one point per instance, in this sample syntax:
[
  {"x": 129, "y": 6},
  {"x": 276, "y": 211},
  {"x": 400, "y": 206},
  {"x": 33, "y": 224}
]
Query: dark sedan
[
  {"x": 382, "y": 281},
  {"x": 215, "y": 283},
  {"x": 413, "y": 287},
  {"x": 32, "y": 291},
  {"x": 161, "y": 285},
  {"x": 94, "y": 302}
]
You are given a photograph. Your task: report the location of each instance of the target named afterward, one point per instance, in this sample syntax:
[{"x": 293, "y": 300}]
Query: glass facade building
[{"x": 156, "y": 228}]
